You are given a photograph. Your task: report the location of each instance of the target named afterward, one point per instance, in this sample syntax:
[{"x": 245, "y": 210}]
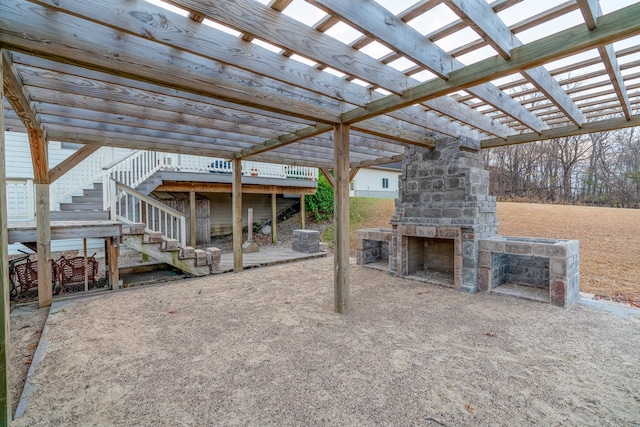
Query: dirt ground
[
  {"x": 610, "y": 248},
  {"x": 264, "y": 347}
]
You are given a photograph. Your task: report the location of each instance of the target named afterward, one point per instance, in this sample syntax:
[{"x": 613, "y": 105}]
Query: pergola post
[
  {"x": 302, "y": 212},
  {"x": 5, "y": 392},
  {"x": 236, "y": 202},
  {"x": 39, "y": 157},
  {"x": 341, "y": 218}
]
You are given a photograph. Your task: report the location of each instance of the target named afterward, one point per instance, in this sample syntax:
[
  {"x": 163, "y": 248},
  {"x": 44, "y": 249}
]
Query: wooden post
[
  {"x": 5, "y": 391},
  {"x": 341, "y": 218},
  {"x": 113, "y": 251},
  {"x": 43, "y": 240},
  {"x": 274, "y": 219},
  {"x": 86, "y": 270},
  {"x": 192, "y": 223},
  {"x": 302, "y": 212},
  {"x": 250, "y": 225},
  {"x": 236, "y": 201}
]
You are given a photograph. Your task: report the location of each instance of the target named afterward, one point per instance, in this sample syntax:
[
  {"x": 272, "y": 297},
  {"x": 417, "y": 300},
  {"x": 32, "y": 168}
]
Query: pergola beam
[
  {"x": 561, "y": 132},
  {"x": 591, "y": 11},
  {"x": 612, "y": 27},
  {"x": 481, "y": 17},
  {"x": 16, "y": 94},
  {"x": 390, "y": 30}
]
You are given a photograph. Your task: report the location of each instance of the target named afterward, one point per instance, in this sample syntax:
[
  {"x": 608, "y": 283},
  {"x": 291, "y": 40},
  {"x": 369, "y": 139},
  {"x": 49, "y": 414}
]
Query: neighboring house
[
  {"x": 377, "y": 181},
  {"x": 168, "y": 178}
]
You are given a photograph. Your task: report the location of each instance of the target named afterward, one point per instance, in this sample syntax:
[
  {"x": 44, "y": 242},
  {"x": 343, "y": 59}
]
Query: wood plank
[
  {"x": 302, "y": 212},
  {"x": 274, "y": 219},
  {"x": 39, "y": 155},
  {"x": 5, "y": 308},
  {"x": 481, "y": 17},
  {"x": 16, "y": 94},
  {"x": 590, "y": 127},
  {"x": 359, "y": 65},
  {"x": 222, "y": 187},
  {"x": 352, "y": 173},
  {"x": 113, "y": 251},
  {"x": 327, "y": 175},
  {"x": 590, "y": 11},
  {"x": 55, "y": 36},
  {"x": 236, "y": 202},
  {"x": 612, "y": 27},
  {"x": 70, "y": 162},
  {"x": 391, "y": 31},
  {"x": 43, "y": 239},
  {"x": 289, "y": 34},
  {"x": 193, "y": 219},
  {"x": 173, "y": 114},
  {"x": 25, "y": 231},
  {"x": 610, "y": 61},
  {"x": 283, "y": 140},
  {"x": 381, "y": 25},
  {"x": 341, "y": 220},
  {"x": 380, "y": 161}
]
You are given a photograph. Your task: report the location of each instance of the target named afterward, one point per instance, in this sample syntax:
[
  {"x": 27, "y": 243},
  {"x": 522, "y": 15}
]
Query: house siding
[{"x": 368, "y": 183}]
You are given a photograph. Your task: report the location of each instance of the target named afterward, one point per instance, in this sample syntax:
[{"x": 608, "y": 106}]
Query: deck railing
[
  {"x": 20, "y": 200},
  {"x": 131, "y": 207}
]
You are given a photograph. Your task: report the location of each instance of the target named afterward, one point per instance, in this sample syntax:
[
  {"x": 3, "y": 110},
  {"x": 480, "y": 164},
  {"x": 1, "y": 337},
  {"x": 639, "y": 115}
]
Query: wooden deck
[
  {"x": 267, "y": 256},
  {"x": 25, "y": 231}
]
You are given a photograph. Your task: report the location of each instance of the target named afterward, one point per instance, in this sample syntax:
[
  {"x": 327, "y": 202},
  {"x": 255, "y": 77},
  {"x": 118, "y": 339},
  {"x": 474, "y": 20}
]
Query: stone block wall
[
  {"x": 307, "y": 241},
  {"x": 372, "y": 245},
  {"x": 444, "y": 193},
  {"x": 530, "y": 261}
]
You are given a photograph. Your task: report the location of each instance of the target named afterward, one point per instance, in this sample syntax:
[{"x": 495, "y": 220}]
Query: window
[{"x": 385, "y": 182}]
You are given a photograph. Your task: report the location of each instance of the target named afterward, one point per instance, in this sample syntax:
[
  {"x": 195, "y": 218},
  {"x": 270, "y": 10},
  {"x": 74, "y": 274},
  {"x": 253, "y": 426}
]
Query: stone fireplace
[
  {"x": 443, "y": 209},
  {"x": 444, "y": 231}
]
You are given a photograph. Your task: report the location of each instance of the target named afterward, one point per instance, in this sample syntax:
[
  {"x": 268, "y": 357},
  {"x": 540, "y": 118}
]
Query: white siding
[
  {"x": 368, "y": 183},
  {"x": 19, "y": 170}
]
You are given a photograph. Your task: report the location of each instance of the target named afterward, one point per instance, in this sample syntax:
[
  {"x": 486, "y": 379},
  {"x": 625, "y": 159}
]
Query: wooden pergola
[{"x": 333, "y": 84}]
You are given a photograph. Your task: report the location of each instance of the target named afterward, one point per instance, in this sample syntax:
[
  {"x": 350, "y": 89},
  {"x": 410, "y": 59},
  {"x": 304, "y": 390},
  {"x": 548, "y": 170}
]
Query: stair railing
[
  {"x": 130, "y": 206},
  {"x": 132, "y": 170}
]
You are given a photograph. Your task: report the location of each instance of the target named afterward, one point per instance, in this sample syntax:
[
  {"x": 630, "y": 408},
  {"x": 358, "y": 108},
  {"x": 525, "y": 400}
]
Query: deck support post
[
  {"x": 236, "y": 202},
  {"x": 341, "y": 218},
  {"x": 43, "y": 240},
  {"x": 274, "y": 218},
  {"x": 113, "y": 251},
  {"x": 193, "y": 222},
  {"x": 5, "y": 391},
  {"x": 302, "y": 212}
]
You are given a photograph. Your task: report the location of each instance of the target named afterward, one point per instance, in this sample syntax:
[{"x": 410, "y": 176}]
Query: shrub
[{"x": 321, "y": 203}]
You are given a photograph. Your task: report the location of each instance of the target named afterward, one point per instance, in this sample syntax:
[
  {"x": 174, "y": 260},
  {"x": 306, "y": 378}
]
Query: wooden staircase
[
  {"x": 196, "y": 262},
  {"x": 89, "y": 207}
]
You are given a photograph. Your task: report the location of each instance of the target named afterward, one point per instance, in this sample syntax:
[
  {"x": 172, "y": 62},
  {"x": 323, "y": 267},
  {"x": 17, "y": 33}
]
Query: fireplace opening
[
  {"x": 526, "y": 276},
  {"x": 431, "y": 259}
]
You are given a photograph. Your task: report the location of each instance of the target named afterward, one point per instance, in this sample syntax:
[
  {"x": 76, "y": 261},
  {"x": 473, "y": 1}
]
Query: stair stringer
[{"x": 171, "y": 256}]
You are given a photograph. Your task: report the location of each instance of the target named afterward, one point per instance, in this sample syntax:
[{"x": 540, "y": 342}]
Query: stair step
[
  {"x": 92, "y": 192},
  {"x": 80, "y": 206},
  {"x": 86, "y": 199},
  {"x": 79, "y": 215},
  {"x": 97, "y": 186}
]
